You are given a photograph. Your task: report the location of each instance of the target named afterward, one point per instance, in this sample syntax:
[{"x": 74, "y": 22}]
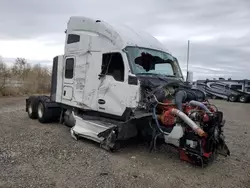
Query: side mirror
[
  {"x": 190, "y": 77},
  {"x": 101, "y": 76}
]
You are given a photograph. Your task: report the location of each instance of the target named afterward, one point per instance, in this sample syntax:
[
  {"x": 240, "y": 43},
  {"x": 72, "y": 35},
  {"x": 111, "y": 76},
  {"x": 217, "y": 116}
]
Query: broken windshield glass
[{"x": 149, "y": 61}]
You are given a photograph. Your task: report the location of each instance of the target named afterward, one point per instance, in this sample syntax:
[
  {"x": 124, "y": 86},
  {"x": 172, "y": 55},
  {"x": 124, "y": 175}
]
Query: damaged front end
[
  {"x": 183, "y": 118},
  {"x": 169, "y": 110},
  {"x": 170, "y": 113}
]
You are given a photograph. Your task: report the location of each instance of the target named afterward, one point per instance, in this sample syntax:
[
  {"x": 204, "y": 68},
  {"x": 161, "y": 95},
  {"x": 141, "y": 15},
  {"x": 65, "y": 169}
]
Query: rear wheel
[
  {"x": 232, "y": 98},
  {"x": 243, "y": 99},
  {"x": 32, "y": 113},
  {"x": 42, "y": 112}
]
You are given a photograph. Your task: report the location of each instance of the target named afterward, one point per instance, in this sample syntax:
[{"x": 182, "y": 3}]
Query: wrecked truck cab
[{"x": 113, "y": 83}]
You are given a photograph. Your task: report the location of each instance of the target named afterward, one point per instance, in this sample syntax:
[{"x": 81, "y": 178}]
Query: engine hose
[
  {"x": 157, "y": 122},
  {"x": 188, "y": 121},
  {"x": 161, "y": 103},
  {"x": 201, "y": 105},
  {"x": 214, "y": 107},
  {"x": 179, "y": 98}
]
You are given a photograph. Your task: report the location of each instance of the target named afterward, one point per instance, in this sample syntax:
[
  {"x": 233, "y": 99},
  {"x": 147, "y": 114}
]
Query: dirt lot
[{"x": 45, "y": 155}]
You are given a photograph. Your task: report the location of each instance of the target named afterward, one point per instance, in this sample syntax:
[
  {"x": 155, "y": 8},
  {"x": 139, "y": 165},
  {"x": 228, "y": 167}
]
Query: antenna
[{"x": 187, "y": 58}]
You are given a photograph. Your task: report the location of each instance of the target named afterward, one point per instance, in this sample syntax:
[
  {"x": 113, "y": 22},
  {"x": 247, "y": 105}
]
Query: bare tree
[
  {"x": 23, "y": 78},
  {"x": 20, "y": 68},
  {"x": 4, "y": 75}
]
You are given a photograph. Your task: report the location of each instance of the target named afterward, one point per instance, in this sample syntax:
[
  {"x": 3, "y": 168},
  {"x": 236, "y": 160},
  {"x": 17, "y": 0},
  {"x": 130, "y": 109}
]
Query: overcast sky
[{"x": 219, "y": 30}]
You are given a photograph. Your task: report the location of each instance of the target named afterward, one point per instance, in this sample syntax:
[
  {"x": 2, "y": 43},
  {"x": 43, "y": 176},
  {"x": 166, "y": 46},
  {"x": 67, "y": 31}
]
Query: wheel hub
[
  {"x": 30, "y": 109},
  {"x": 242, "y": 99},
  {"x": 40, "y": 110}
]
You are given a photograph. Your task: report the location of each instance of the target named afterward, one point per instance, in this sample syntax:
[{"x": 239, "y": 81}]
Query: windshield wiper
[
  {"x": 147, "y": 73},
  {"x": 156, "y": 74},
  {"x": 159, "y": 76},
  {"x": 170, "y": 76}
]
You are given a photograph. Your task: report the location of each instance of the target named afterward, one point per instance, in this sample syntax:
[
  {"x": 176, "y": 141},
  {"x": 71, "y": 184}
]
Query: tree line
[{"x": 23, "y": 78}]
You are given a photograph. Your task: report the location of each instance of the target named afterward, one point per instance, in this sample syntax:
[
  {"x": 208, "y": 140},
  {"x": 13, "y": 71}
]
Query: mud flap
[{"x": 223, "y": 148}]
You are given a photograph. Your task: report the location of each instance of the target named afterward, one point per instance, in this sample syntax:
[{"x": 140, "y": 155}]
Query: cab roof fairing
[{"x": 120, "y": 35}]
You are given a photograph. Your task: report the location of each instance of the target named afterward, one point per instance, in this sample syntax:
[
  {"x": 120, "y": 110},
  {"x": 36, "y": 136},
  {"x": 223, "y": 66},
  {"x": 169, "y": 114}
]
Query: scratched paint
[{"x": 80, "y": 83}]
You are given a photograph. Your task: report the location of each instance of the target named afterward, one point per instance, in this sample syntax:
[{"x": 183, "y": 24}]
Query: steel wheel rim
[
  {"x": 40, "y": 110},
  {"x": 242, "y": 99},
  {"x": 30, "y": 109}
]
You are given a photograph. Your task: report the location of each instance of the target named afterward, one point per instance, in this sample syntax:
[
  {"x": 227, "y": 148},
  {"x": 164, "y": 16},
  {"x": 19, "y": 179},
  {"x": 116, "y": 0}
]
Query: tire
[
  {"x": 232, "y": 98},
  {"x": 31, "y": 109},
  {"x": 243, "y": 99},
  {"x": 42, "y": 112}
]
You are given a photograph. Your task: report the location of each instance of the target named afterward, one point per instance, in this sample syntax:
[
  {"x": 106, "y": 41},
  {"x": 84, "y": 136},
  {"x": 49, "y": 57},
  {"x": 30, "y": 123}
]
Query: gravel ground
[{"x": 45, "y": 155}]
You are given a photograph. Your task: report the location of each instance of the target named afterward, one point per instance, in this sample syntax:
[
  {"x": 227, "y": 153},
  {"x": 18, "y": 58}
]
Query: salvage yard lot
[{"x": 45, "y": 155}]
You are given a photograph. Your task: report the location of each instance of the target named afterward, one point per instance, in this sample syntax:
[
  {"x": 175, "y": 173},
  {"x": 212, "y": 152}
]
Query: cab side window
[
  {"x": 69, "y": 68},
  {"x": 112, "y": 64}
]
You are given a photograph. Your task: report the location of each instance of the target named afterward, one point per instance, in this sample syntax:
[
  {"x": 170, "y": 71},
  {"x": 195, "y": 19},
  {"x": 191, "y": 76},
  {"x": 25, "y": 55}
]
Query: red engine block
[{"x": 169, "y": 120}]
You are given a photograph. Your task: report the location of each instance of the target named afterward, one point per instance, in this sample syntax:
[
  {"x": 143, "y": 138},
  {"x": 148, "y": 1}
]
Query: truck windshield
[{"x": 149, "y": 61}]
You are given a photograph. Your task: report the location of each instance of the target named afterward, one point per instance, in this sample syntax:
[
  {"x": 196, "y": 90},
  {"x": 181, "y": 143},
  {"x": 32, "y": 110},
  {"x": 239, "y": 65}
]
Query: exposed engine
[{"x": 186, "y": 120}]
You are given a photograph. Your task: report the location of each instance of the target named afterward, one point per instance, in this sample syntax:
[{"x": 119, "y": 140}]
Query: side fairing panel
[{"x": 56, "y": 81}]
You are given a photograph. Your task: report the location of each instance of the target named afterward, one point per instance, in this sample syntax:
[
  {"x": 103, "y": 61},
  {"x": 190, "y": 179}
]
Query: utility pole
[{"x": 187, "y": 59}]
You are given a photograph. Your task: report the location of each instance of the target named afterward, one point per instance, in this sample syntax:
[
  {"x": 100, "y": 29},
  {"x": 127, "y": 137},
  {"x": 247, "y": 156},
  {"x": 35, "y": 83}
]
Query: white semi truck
[{"x": 113, "y": 83}]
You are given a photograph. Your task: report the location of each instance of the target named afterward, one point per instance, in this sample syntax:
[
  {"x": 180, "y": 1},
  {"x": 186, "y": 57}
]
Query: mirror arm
[{"x": 101, "y": 76}]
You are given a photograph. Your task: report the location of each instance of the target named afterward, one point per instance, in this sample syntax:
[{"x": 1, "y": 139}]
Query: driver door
[{"x": 114, "y": 92}]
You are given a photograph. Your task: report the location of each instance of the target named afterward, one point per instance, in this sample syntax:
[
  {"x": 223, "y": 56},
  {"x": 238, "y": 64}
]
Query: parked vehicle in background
[{"x": 231, "y": 90}]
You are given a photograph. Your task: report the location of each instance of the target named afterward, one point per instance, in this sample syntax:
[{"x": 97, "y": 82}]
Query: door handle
[{"x": 64, "y": 92}]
